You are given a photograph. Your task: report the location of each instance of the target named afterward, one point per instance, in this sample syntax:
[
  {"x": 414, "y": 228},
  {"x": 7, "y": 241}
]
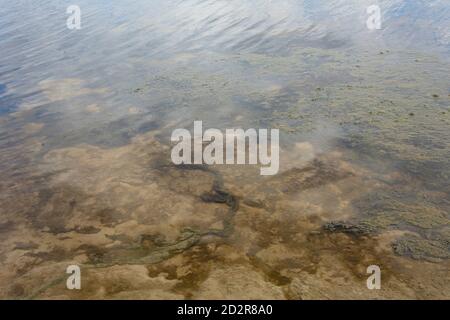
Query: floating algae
[
  {"x": 402, "y": 209},
  {"x": 153, "y": 249},
  {"x": 422, "y": 249},
  {"x": 188, "y": 237}
]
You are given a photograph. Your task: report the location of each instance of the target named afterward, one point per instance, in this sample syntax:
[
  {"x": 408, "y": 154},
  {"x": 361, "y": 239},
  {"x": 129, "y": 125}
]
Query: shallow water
[{"x": 85, "y": 123}]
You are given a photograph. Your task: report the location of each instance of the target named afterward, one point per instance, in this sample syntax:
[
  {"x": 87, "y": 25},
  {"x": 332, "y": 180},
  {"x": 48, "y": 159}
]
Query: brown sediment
[
  {"x": 266, "y": 234},
  {"x": 141, "y": 227}
]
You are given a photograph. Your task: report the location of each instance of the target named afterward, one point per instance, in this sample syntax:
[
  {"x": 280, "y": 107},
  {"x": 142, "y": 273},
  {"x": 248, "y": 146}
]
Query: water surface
[{"x": 86, "y": 178}]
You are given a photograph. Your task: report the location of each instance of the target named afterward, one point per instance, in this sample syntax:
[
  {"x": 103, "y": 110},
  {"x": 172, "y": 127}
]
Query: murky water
[{"x": 86, "y": 177}]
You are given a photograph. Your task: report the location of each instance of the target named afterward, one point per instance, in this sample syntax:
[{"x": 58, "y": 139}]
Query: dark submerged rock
[{"x": 349, "y": 228}]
